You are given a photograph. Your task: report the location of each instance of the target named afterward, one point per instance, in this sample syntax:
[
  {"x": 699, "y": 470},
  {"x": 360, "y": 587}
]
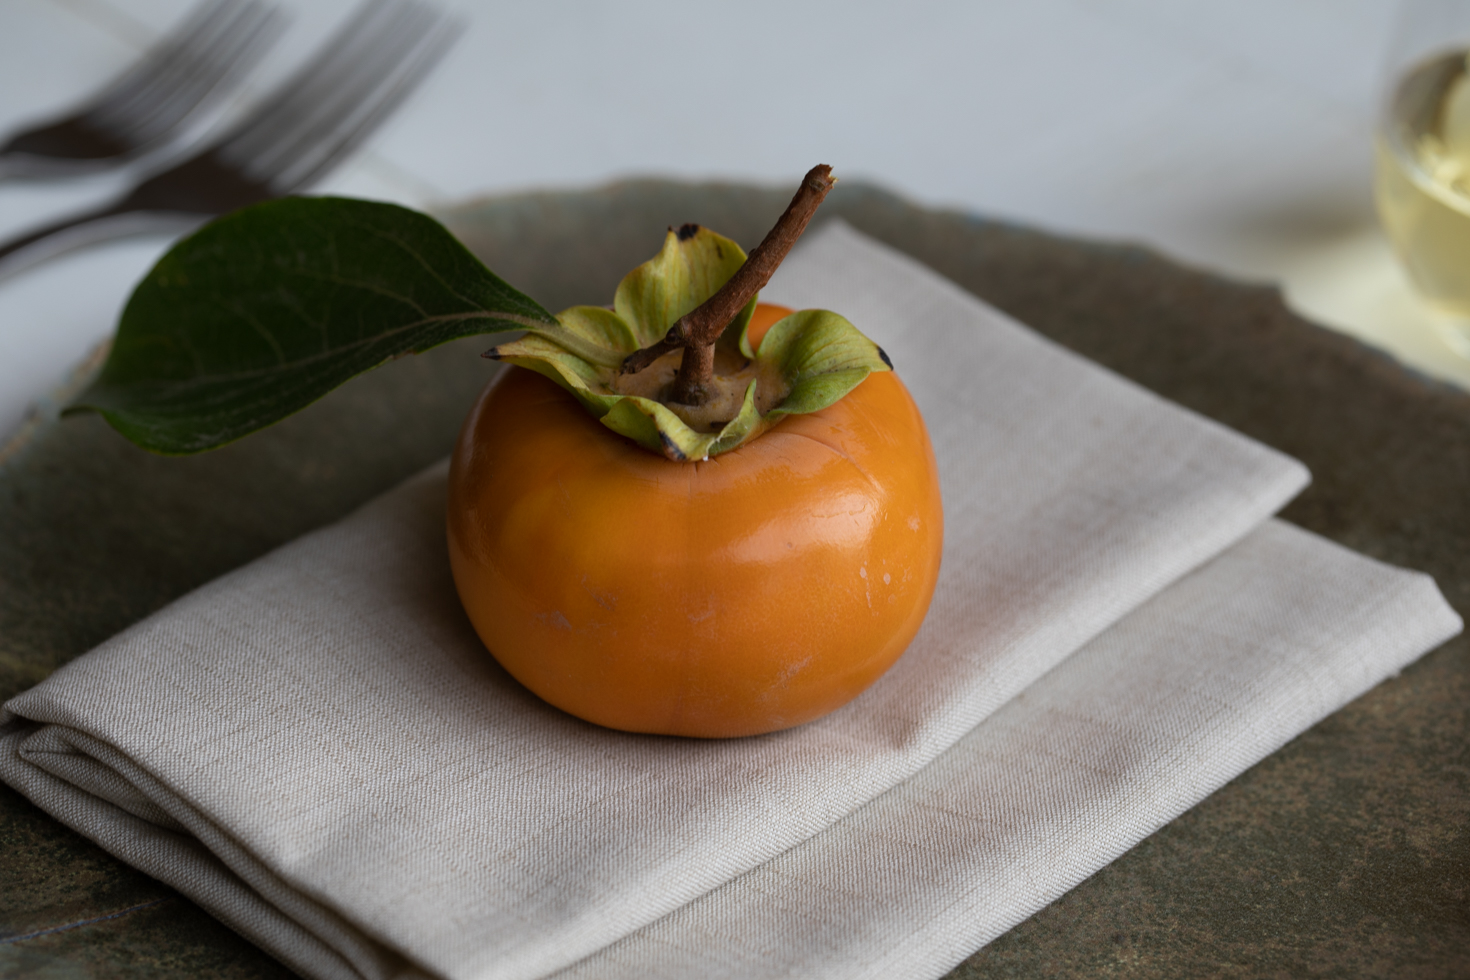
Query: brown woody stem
[{"x": 698, "y": 330}]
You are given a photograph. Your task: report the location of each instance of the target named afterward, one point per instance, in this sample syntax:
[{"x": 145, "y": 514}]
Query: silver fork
[
  {"x": 150, "y": 103},
  {"x": 314, "y": 119}
]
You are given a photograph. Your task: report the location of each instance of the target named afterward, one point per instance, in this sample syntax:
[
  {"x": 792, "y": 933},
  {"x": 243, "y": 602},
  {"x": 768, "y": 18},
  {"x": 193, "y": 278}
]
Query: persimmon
[
  {"x": 746, "y": 594},
  {"x": 704, "y": 517}
]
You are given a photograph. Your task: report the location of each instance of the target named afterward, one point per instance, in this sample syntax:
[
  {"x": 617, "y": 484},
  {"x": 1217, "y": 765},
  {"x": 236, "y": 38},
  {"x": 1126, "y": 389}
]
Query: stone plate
[{"x": 1345, "y": 854}]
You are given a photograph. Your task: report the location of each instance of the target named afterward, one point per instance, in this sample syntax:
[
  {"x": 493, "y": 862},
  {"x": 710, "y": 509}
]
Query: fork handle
[
  {"x": 112, "y": 221},
  {"x": 15, "y": 167}
]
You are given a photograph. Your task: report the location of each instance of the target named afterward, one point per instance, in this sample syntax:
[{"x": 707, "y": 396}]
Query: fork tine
[
  {"x": 159, "y": 58},
  {"x": 339, "y": 98},
  {"x": 179, "y": 72},
  {"x": 365, "y": 57},
  {"x": 305, "y": 94},
  {"x": 346, "y": 138},
  {"x": 190, "y": 75}
]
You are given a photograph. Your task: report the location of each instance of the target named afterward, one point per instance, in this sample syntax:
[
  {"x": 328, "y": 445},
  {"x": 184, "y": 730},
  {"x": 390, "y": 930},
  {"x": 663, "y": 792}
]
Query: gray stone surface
[{"x": 1346, "y": 854}]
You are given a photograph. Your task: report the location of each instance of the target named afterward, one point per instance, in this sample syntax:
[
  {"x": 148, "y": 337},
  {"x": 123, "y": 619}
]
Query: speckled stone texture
[{"x": 1346, "y": 854}]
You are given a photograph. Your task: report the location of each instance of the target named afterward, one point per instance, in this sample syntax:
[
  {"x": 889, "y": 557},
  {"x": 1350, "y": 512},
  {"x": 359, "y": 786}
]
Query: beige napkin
[
  {"x": 317, "y": 749},
  {"x": 1142, "y": 723}
]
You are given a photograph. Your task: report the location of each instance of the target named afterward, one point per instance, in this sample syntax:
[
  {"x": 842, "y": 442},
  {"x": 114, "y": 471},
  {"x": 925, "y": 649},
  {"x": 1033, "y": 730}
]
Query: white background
[{"x": 1235, "y": 136}]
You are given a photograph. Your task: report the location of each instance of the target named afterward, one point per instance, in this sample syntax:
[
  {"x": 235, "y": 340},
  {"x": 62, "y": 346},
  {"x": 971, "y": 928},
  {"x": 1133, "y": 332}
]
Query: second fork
[{"x": 305, "y": 127}]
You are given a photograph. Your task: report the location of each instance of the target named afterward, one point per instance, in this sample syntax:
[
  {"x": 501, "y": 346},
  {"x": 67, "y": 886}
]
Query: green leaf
[
  {"x": 691, "y": 267},
  {"x": 821, "y": 356},
  {"x": 262, "y": 312},
  {"x": 594, "y": 334}
]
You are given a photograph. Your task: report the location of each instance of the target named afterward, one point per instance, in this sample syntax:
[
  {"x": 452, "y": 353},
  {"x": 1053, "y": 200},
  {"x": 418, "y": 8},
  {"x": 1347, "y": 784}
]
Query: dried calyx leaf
[{"x": 804, "y": 363}]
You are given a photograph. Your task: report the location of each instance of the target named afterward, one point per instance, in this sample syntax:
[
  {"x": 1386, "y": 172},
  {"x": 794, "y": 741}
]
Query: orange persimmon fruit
[{"x": 746, "y": 593}]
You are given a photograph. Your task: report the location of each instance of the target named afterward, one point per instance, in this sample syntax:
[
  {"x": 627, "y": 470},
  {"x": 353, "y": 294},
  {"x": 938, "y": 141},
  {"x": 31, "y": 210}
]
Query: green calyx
[{"x": 804, "y": 363}]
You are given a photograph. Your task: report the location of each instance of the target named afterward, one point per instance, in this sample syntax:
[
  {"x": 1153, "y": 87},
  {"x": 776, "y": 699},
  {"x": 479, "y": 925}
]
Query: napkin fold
[{"x": 318, "y": 750}]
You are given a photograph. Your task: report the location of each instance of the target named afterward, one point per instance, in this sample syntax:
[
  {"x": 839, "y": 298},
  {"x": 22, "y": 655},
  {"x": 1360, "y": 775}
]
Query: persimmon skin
[{"x": 745, "y": 594}]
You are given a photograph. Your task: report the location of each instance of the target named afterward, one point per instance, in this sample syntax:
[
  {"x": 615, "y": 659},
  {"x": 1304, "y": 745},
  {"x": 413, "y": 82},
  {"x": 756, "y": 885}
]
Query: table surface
[
  {"x": 1233, "y": 136},
  {"x": 1345, "y": 854}
]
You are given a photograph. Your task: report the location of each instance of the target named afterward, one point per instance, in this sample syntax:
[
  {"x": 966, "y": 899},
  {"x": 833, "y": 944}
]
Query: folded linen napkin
[
  {"x": 317, "y": 749},
  {"x": 1145, "y": 721}
]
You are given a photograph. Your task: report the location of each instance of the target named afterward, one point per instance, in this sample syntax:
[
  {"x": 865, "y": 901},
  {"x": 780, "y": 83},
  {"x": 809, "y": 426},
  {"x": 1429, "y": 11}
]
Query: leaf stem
[{"x": 697, "y": 331}]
